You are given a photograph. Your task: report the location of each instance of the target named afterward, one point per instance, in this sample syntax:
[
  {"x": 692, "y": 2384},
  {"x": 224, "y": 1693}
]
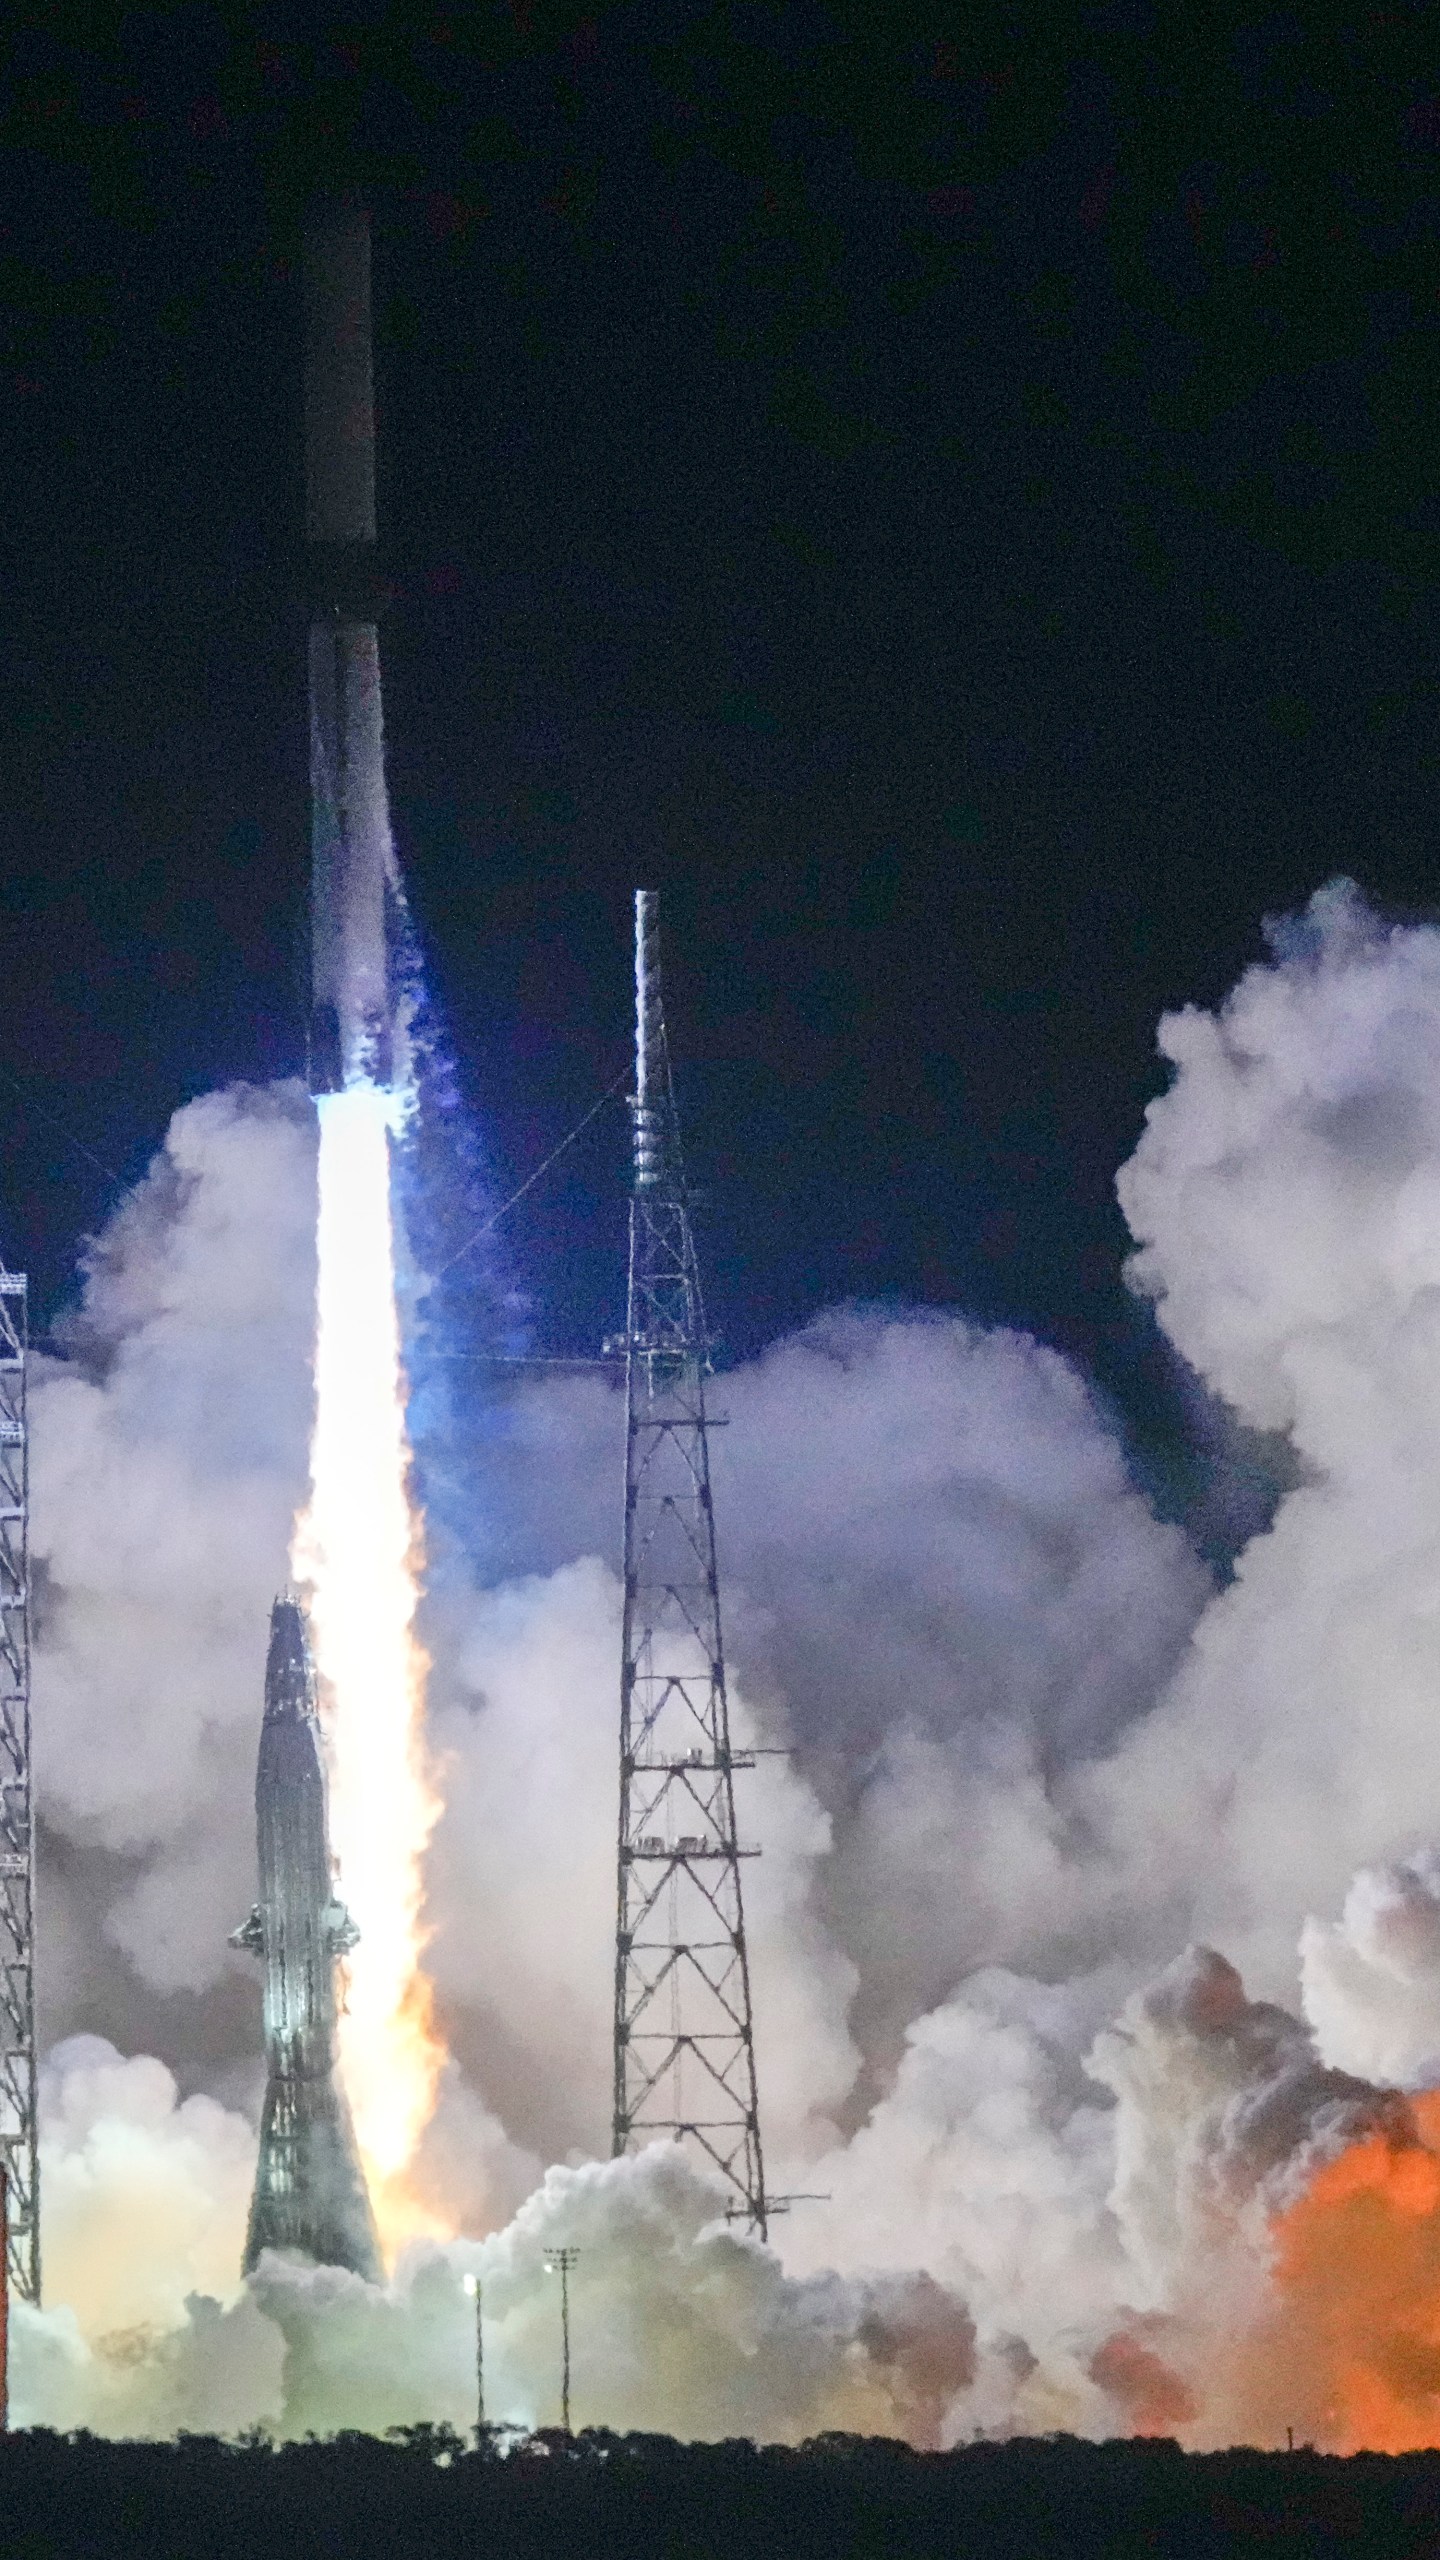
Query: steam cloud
[{"x": 1036, "y": 1756}]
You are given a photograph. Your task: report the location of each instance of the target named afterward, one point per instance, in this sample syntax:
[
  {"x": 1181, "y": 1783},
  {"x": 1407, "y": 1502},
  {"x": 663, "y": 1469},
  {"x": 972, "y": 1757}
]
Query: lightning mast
[
  {"x": 19, "y": 2133},
  {"x": 684, "y": 2038}
]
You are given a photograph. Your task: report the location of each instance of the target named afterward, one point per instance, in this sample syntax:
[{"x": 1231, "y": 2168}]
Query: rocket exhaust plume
[{"x": 356, "y": 1549}]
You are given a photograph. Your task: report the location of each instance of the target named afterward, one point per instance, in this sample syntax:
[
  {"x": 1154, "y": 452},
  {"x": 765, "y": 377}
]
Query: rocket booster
[
  {"x": 355, "y": 886},
  {"x": 310, "y": 2195}
]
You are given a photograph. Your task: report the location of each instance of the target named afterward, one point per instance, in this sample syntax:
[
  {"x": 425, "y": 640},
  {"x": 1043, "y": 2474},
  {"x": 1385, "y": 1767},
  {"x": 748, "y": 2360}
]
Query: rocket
[
  {"x": 356, "y": 902},
  {"x": 310, "y": 2196}
]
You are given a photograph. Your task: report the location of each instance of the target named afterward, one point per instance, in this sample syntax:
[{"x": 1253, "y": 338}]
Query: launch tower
[
  {"x": 310, "y": 2197},
  {"x": 19, "y": 2151},
  {"x": 684, "y": 2041}
]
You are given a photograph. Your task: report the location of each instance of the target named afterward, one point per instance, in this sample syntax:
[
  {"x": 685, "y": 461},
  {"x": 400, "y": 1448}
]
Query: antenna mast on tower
[
  {"x": 684, "y": 2039},
  {"x": 19, "y": 2131}
]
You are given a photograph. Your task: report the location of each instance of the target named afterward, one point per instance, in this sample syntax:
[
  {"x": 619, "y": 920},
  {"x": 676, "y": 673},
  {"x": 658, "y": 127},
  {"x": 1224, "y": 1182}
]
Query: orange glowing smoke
[
  {"x": 357, "y": 1549},
  {"x": 1130, "y": 2368},
  {"x": 1354, "y": 2345}
]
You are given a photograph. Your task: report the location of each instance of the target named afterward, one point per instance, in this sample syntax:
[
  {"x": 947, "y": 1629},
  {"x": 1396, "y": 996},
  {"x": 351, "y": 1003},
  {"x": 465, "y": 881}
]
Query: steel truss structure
[
  {"x": 19, "y": 2154},
  {"x": 684, "y": 2040}
]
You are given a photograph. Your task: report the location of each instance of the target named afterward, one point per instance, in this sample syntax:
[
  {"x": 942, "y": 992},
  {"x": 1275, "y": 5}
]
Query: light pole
[
  {"x": 473, "y": 2286},
  {"x": 559, "y": 2263}
]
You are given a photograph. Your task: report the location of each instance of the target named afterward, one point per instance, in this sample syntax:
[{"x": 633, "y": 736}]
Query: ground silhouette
[{"x": 649, "y": 2498}]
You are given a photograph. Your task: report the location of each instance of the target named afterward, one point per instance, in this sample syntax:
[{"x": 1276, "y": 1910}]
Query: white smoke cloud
[
  {"x": 145, "y": 2196},
  {"x": 523, "y": 1871},
  {"x": 1370, "y": 1982},
  {"x": 1225, "y": 2109},
  {"x": 677, "y": 2321},
  {"x": 941, "y": 1587},
  {"x": 1286, "y": 1199},
  {"x": 989, "y": 2163},
  {"x": 168, "y": 1460}
]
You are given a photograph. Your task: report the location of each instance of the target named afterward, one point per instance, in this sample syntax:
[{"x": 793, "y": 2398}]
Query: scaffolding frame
[{"x": 19, "y": 2129}]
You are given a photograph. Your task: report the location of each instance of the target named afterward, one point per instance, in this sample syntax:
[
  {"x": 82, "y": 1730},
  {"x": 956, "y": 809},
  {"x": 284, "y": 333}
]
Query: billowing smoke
[
  {"x": 1371, "y": 1979},
  {"x": 678, "y": 2322},
  {"x": 1286, "y": 1197},
  {"x": 1032, "y": 1757},
  {"x": 169, "y": 1459},
  {"x": 942, "y": 1590}
]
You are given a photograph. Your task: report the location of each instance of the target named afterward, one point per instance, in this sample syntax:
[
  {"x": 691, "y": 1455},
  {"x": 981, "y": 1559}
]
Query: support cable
[{"x": 532, "y": 1178}]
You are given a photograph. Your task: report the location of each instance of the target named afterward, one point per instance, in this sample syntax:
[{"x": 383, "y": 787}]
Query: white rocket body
[{"x": 356, "y": 1028}]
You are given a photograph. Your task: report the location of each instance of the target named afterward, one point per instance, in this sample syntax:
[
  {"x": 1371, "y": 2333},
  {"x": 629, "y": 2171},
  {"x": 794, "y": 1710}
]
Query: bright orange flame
[
  {"x": 357, "y": 1548},
  {"x": 1357, "y": 2278}
]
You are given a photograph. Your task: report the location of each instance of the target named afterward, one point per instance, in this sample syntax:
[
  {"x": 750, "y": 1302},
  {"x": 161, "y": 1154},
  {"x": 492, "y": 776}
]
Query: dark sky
[{"x": 948, "y": 497}]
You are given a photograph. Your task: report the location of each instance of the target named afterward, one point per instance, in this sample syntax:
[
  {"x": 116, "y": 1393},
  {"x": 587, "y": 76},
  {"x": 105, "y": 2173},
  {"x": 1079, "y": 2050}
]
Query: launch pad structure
[
  {"x": 684, "y": 2033},
  {"x": 310, "y": 2196},
  {"x": 19, "y": 2130}
]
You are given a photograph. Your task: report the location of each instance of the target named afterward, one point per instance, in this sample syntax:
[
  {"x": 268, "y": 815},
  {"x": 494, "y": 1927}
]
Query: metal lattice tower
[
  {"x": 18, "y": 2124},
  {"x": 684, "y": 2041}
]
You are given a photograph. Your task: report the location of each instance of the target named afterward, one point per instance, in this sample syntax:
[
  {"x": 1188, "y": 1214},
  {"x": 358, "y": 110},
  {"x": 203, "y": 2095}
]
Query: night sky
[{"x": 949, "y": 499}]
